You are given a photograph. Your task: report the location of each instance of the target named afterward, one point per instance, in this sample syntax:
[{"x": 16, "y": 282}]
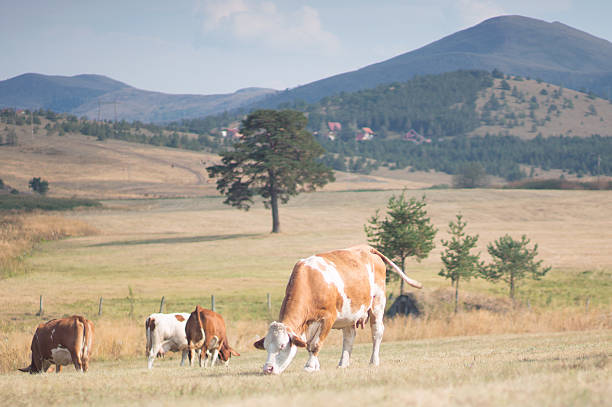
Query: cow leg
[
  {"x": 315, "y": 335},
  {"x": 376, "y": 324},
  {"x": 183, "y": 357},
  {"x": 215, "y": 355},
  {"x": 203, "y": 354},
  {"x": 151, "y": 357},
  {"x": 348, "y": 337},
  {"x": 45, "y": 365},
  {"x": 76, "y": 359},
  {"x": 58, "y": 368},
  {"x": 191, "y": 354}
]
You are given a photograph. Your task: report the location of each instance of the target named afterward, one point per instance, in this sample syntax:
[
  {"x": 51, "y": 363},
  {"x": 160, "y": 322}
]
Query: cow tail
[
  {"x": 396, "y": 269},
  {"x": 79, "y": 326},
  {"x": 148, "y": 334},
  {"x": 201, "y": 326},
  {"x": 87, "y": 343}
]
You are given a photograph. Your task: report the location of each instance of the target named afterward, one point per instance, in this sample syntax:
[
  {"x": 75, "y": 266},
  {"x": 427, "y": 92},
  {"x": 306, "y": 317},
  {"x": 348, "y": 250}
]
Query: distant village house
[
  {"x": 231, "y": 132},
  {"x": 334, "y": 129},
  {"x": 415, "y": 137},
  {"x": 365, "y": 134}
]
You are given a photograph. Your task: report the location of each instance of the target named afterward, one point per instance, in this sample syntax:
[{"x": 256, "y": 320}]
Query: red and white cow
[
  {"x": 166, "y": 332},
  {"x": 62, "y": 342},
  {"x": 205, "y": 331},
  {"x": 340, "y": 289}
]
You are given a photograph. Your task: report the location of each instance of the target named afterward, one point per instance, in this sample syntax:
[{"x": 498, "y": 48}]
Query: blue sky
[{"x": 219, "y": 46}]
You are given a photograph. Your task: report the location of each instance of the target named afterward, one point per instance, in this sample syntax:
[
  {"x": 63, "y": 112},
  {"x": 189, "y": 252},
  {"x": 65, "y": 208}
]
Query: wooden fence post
[
  {"x": 212, "y": 302},
  {"x": 100, "y": 306},
  {"x": 40, "y": 306},
  {"x": 586, "y": 304},
  {"x": 161, "y": 304}
]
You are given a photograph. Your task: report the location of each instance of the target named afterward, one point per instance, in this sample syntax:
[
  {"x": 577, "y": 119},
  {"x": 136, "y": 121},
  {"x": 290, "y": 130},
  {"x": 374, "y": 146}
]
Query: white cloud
[
  {"x": 258, "y": 21},
  {"x": 216, "y": 11},
  {"x": 475, "y": 11}
]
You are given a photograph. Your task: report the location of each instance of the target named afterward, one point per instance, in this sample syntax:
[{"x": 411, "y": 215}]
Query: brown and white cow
[
  {"x": 340, "y": 289},
  {"x": 62, "y": 342},
  {"x": 166, "y": 333},
  {"x": 205, "y": 330}
]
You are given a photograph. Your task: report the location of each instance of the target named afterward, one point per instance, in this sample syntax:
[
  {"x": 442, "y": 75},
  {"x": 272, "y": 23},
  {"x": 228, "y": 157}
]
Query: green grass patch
[
  {"x": 560, "y": 184},
  {"x": 563, "y": 289},
  {"x": 32, "y": 202}
]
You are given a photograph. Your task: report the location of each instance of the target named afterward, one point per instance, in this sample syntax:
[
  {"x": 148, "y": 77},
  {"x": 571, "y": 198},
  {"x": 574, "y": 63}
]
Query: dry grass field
[
  {"x": 81, "y": 166},
  {"x": 562, "y": 369},
  {"x": 131, "y": 252}
]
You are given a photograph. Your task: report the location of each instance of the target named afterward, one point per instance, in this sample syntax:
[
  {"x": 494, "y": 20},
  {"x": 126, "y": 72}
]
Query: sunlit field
[
  {"x": 567, "y": 369},
  {"x": 557, "y": 336}
]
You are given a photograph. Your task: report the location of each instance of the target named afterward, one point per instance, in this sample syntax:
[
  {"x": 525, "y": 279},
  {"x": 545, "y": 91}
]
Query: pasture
[
  {"x": 556, "y": 352},
  {"x": 562, "y": 369}
]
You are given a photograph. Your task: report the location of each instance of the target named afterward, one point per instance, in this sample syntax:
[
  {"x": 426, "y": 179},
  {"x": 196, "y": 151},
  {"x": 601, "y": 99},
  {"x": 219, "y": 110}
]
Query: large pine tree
[{"x": 276, "y": 158}]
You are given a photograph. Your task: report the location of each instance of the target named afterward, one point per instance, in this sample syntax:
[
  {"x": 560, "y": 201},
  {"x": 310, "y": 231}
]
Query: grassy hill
[
  {"x": 83, "y": 166},
  {"x": 557, "y": 111}
]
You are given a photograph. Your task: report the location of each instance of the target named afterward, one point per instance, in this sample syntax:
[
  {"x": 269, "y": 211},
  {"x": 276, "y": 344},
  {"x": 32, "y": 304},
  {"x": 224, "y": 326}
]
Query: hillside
[
  {"x": 553, "y": 52},
  {"x": 527, "y": 108},
  {"x": 463, "y": 103},
  {"x": 100, "y": 97},
  {"x": 83, "y": 166}
]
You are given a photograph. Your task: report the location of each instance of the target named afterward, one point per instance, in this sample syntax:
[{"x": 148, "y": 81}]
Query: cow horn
[{"x": 26, "y": 369}]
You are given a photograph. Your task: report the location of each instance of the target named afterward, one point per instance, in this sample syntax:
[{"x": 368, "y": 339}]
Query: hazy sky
[{"x": 219, "y": 46}]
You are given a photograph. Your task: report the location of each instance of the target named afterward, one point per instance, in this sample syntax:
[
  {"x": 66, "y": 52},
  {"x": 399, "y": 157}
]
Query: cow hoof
[{"x": 310, "y": 369}]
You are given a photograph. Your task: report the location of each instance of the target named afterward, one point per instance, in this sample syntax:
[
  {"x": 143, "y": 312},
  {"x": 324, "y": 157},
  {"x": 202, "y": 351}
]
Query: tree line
[{"x": 498, "y": 155}]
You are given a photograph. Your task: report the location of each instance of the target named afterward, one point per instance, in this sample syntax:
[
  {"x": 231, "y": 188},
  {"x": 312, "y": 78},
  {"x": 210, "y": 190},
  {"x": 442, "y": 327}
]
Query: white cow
[{"x": 166, "y": 332}]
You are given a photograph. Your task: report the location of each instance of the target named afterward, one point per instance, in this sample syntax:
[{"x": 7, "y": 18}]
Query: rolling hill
[
  {"x": 97, "y": 96},
  {"x": 82, "y": 166},
  {"x": 553, "y": 52}
]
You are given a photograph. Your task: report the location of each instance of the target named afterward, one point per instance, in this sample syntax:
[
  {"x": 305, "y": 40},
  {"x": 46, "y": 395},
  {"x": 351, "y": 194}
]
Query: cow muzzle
[{"x": 270, "y": 369}]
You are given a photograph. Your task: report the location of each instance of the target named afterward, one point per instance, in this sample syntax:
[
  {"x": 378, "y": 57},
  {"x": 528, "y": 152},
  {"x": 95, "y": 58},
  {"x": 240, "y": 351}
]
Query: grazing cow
[
  {"x": 205, "y": 330},
  {"x": 62, "y": 342},
  {"x": 340, "y": 289},
  {"x": 166, "y": 332}
]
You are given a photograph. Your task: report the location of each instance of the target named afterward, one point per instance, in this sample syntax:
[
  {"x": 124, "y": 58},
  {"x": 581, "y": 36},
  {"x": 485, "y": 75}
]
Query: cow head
[
  {"x": 281, "y": 344},
  {"x": 226, "y": 351}
]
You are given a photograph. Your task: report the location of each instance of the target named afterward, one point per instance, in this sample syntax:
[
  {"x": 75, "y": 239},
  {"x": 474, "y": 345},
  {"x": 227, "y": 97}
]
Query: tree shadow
[{"x": 176, "y": 240}]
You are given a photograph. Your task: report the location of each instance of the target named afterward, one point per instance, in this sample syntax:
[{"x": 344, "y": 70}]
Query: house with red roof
[{"x": 364, "y": 134}]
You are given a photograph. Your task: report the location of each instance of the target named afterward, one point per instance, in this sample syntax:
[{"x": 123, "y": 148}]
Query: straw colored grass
[
  {"x": 121, "y": 339},
  {"x": 19, "y": 232},
  {"x": 565, "y": 369}
]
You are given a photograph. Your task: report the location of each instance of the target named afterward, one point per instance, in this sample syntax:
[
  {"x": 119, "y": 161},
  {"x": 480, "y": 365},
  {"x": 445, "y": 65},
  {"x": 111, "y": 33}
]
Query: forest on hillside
[
  {"x": 434, "y": 105},
  {"x": 499, "y": 155}
]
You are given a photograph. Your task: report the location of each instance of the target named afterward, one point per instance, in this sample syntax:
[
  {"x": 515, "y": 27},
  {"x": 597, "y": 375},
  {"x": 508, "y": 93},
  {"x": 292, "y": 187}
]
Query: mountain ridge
[
  {"x": 512, "y": 44},
  {"x": 98, "y": 96},
  {"x": 517, "y": 45}
]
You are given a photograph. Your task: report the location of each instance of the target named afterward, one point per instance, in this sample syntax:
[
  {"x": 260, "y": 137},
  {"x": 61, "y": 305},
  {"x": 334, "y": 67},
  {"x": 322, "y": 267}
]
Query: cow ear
[
  {"x": 260, "y": 344},
  {"x": 294, "y": 339},
  {"x": 233, "y": 352}
]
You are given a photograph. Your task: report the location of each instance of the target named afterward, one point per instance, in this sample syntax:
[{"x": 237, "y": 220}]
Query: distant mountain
[
  {"x": 57, "y": 93},
  {"x": 99, "y": 96},
  {"x": 553, "y": 52}
]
